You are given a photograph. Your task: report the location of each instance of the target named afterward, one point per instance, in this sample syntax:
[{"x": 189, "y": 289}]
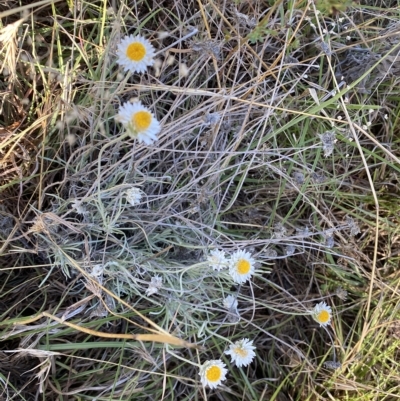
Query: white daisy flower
[
  {"x": 139, "y": 121},
  {"x": 242, "y": 352},
  {"x": 217, "y": 260},
  {"x": 322, "y": 313},
  {"x": 230, "y": 302},
  {"x": 135, "y": 53},
  {"x": 212, "y": 373},
  {"x": 154, "y": 285},
  {"x": 241, "y": 266},
  {"x": 134, "y": 196}
]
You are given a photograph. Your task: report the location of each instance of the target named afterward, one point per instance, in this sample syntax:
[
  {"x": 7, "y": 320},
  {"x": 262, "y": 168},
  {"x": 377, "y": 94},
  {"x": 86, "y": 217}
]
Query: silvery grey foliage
[
  {"x": 271, "y": 253},
  {"x": 210, "y": 47},
  {"x": 353, "y": 225},
  {"x": 328, "y": 238},
  {"x": 154, "y": 285},
  {"x": 298, "y": 177},
  {"x": 244, "y": 19},
  {"x": 325, "y": 48},
  {"x": 290, "y": 250},
  {"x": 318, "y": 177},
  {"x": 211, "y": 118},
  {"x": 279, "y": 231},
  {"x": 231, "y": 303},
  {"x": 78, "y": 207},
  {"x": 332, "y": 365},
  {"x": 6, "y": 225},
  {"x": 341, "y": 293},
  {"x": 328, "y": 139},
  {"x": 303, "y": 232},
  {"x": 330, "y": 242},
  {"x": 233, "y": 316}
]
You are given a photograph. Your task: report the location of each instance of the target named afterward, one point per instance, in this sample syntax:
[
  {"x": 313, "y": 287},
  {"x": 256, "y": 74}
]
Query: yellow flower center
[
  {"x": 213, "y": 374},
  {"x": 243, "y": 266},
  {"x": 323, "y": 316},
  {"x": 141, "y": 120},
  {"x": 241, "y": 352},
  {"x": 136, "y": 51}
]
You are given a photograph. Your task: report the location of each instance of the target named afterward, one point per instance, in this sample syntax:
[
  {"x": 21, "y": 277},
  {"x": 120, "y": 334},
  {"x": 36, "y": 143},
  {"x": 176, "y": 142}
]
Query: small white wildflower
[
  {"x": 242, "y": 352},
  {"x": 134, "y": 196},
  {"x": 212, "y": 373},
  {"x": 369, "y": 123},
  {"x": 139, "y": 122},
  {"x": 322, "y": 313},
  {"x": 341, "y": 19},
  {"x": 217, "y": 260},
  {"x": 135, "y": 53},
  {"x": 241, "y": 266},
  {"x": 385, "y": 116},
  {"x": 230, "y": 302},
  {"x": 154, "y": 285},
  {"x": 348, "y": 37}
]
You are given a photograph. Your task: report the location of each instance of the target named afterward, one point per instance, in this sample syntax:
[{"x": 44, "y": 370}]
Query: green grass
[{"x": 318, "y": 212}]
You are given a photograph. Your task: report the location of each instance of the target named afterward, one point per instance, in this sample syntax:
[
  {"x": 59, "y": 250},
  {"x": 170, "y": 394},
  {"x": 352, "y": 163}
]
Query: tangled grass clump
[{"x": 234, "y": 193}]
